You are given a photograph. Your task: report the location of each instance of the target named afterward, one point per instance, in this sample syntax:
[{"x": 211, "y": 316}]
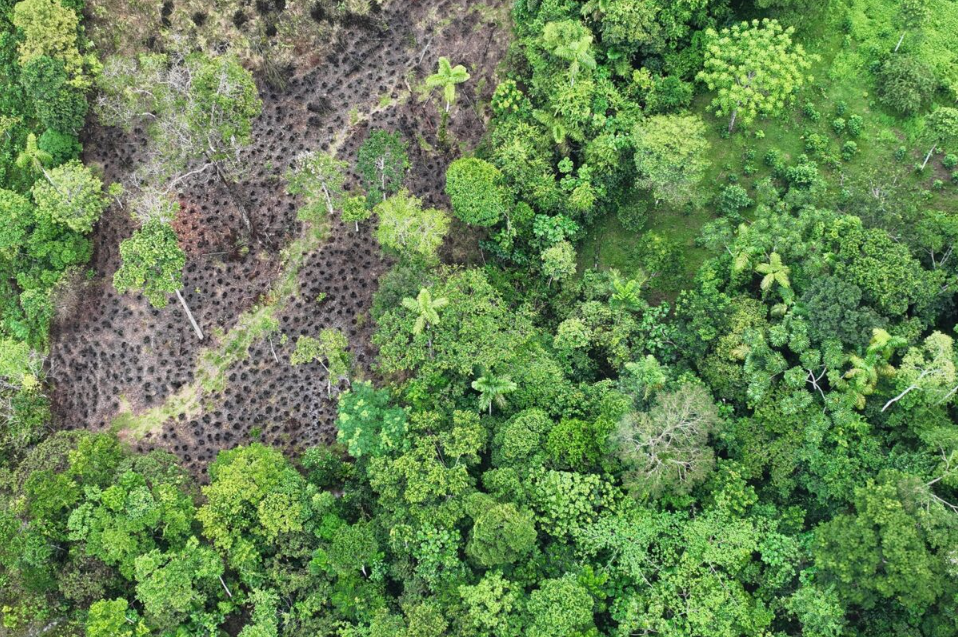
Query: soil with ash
[{"x": 116, "y": 353}]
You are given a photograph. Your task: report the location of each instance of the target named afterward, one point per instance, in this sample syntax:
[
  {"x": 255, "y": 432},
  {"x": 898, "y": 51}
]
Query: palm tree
[
  {"x": 35, "y": 159},
  {"x": 427, "y": 309},
  {"x": 578, "y": 53},
  {"x": 447, "y": 77},
  {"x": 493, "y": 389},
  {"x": 775, "y": 272},
  {"x": 625, "y": 294},
  {"x": 862, "y": 379}
]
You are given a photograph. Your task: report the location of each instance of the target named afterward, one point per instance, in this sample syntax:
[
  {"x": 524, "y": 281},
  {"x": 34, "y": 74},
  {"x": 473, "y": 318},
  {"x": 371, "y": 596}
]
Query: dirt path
[{"x": 118, "y": 362}]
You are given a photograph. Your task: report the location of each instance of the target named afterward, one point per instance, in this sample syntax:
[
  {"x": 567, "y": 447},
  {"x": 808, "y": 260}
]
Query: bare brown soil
[{"x": 116, "y": 353}]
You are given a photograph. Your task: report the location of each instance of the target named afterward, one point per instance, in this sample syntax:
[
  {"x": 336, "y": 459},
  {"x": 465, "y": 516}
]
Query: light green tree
[
  {"x": 330, "y": 350},
  {"x": 151, "y": 261},
  {"x": 355, "y": 210},
  {"x": 942, "y": 126},
  {"x": 493, "y": 390},
  {"x": 755, "y": 69},
  {"x": 114, "y": 618},
  {"x": 671, "y": 156},
  {"x": 319, "y": 178},
  {"x": 427, "y": 312},
  {"x": 558, "y": 261},
  {"x": 407, "y": 228},
  {"x": 447, "y": 77},
  {"x": 71, "y": 195}
]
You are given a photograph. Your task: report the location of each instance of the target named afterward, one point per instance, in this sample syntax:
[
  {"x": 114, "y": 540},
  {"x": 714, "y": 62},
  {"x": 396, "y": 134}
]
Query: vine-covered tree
[
  {"x": 330, "y": 350},
  {"x": 475, "y": 190},
  {"x": 410, "y": 230}
]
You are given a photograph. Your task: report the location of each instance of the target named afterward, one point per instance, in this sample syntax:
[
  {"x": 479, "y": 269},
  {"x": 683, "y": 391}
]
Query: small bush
[
  {"x": 838, "y": 125},
  {"x": 633, "y": 215},
  {"x": 949, "y": 161},
  {"x": 938, "y": 185},
  {"x": 816, "y": 144},
  {"x": 849, "y": 150},
  {"x": 733, "y": 199},
  {"x": 841, "y": 108},
  {"x": 809, "y": 111},
  {"x": 854, "y": 125},
  {"x": 900, "y": 153}
]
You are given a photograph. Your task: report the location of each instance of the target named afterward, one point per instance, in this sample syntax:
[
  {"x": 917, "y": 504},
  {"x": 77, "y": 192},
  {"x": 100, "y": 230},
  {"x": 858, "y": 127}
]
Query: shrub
[
  {"x": 849, "y": 150},
  {"x": 733, "y": 199},
  {"x": 633, "y": 215},
  {"x": 949, "y": 161},
  {"x": 854, "y": 125},
  {"x": 811, "y": 113},
  {"x": 838, "y": 125}
]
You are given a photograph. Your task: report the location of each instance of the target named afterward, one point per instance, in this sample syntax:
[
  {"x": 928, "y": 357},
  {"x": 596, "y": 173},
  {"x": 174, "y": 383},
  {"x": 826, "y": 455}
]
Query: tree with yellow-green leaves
[{"x": 754, "y": 68}]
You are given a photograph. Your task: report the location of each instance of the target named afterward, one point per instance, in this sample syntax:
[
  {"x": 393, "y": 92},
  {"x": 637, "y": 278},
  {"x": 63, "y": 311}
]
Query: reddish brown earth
[{"x": 117, "y": 350}]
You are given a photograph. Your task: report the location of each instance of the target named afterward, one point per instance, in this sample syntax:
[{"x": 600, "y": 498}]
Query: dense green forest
[{"x": 557, "y": 318}]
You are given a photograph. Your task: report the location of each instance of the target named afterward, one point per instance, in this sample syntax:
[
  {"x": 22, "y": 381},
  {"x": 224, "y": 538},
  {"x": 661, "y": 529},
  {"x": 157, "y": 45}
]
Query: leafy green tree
[
  {"x": 152, "y": 261},
  {"x": 929, "y": 370},
  {"x": 671, "y": 156},
  {"x": 50, "y": 30},
  {"x": 560, "y": 607},
  {"x": 254, "y": 500},
  {"x": 114, "y": 618},
  {"x": 475, "y": 191},
  {"x": 558, "y": 261},
  {"x": 59, "y": 105},
  {"x": 942, "y": 126},
  {"x": 492, "y": 390},
  {"x": 883, "y": 552},
  {"x": 905, "y": 84},
  {"x": 33, "y": 158},
  {"x": 913, "y": 14},
  {"x": 491, "y": 607},
  {"x": 319, "y": 178},
  {"x": 427, "y": 309},
  {"x": 866, "y": 371},
  {"x": 367, "y": 424},
  {"x": 501, "y": 534},
  {"x": 179, "y": 588},
  {"x": 382, "y": 164},
  {"x": 666, "y": 448},
  {"x": 572, "y": 42},
  {"x": 330, "y": 350},
  {"x": 755, "y": 69},
  {"x": 71, "y": 195},
  {"x": 446, "y": 78},
  {"x": 355, "y": 210},
  {"x": 406, "y": 227}
]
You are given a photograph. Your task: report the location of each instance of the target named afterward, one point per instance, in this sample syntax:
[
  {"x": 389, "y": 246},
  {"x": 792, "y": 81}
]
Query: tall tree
[
  {"x": 404, "y": 226},
  {"x": 942, "y": 127},
  {"x": 71, "y": 195},
  {"x": 330, "y": 350},
  {"x": 570, "y": 41},
  {"x": 755, "y": 69}
]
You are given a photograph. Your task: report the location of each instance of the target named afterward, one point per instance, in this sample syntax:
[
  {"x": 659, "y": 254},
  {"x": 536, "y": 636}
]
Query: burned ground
[{"x": 116, "y": 354}]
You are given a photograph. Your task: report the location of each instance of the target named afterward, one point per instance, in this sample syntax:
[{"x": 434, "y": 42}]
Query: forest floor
[{"x": 118, "y": 363}]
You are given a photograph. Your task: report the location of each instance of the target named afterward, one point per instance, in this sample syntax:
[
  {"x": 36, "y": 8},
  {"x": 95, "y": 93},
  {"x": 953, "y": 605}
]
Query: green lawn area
[{"x": 856, "y": 31}]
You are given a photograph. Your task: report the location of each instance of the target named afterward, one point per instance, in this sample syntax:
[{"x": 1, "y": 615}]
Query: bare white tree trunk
[
  {"x": 928, "y": 156},
  {"x": 186, "y": 308},
  {"x": 900, "y": 40}
]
